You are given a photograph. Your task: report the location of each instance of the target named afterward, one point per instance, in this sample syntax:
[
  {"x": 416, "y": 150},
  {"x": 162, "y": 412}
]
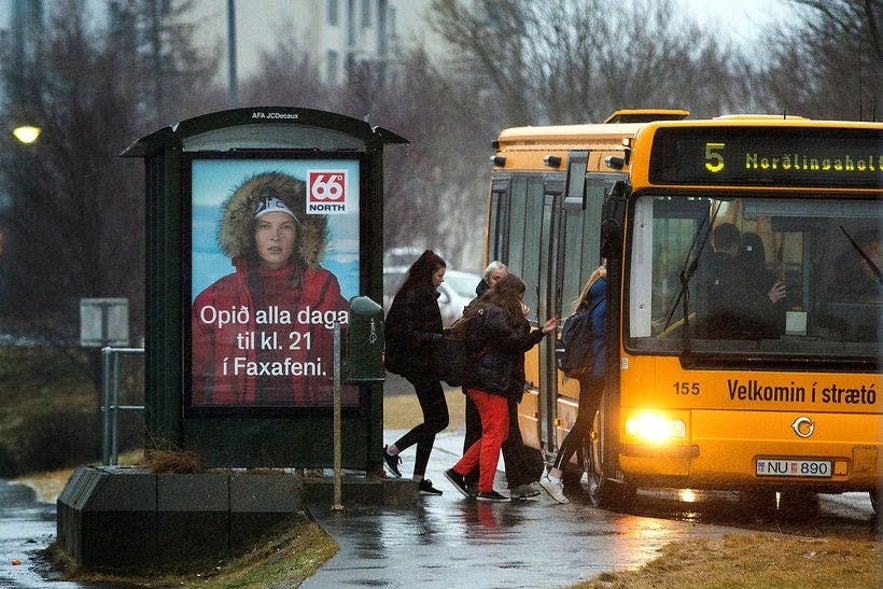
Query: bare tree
[
  {"x": 830, "y": 65},
  {"x": 560, "y": 61},
  {"x": 436, "y": 186},
  {"x": 286, "y": 76},
  {"x": 74, "y": 215}
]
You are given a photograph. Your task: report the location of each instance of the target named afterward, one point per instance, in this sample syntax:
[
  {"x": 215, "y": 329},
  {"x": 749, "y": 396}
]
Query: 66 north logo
[{"x": 326, "y": 192}]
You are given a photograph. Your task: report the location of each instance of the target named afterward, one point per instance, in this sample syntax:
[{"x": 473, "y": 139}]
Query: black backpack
[{"x": 578, "y": 355}]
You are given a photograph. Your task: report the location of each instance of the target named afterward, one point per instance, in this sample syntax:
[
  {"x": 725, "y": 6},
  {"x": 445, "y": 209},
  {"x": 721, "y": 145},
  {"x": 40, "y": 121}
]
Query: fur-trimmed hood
[{"x": 236, "y": 231}]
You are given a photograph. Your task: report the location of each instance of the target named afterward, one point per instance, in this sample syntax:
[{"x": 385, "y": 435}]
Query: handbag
[{"x": 452, "y": 360}]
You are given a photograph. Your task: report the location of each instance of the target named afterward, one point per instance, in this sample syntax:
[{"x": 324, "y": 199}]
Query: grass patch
[
  {"x": 754, "y": 562},
  {"x": 49, "y": 408},
  {"x": 403, "y": 411}
]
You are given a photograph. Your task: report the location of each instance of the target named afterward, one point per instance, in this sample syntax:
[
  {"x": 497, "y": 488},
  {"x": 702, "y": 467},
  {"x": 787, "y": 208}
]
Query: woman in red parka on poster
[{"x": 263, "y": 335}]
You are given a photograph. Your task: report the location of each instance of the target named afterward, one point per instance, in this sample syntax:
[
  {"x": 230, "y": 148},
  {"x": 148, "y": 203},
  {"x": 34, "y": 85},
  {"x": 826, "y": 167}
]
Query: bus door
[
  {"x": 548, "y": 304},
  {"x": 578, "y": 255},
  {"x": 522, "y": 229}
]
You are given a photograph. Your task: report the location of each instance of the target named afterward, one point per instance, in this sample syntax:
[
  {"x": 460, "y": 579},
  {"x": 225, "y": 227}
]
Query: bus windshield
[{"x": 778, "y": 275}]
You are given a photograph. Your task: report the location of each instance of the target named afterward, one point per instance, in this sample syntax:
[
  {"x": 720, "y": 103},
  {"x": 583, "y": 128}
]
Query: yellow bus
[{"x": 700, "y": 392}]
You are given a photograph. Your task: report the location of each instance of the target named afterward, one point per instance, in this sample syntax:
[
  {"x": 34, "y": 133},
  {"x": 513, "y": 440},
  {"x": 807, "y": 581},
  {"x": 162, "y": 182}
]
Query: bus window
[
  {"x": 706, "y": 270},
  {"x": 519, "y": 216}
]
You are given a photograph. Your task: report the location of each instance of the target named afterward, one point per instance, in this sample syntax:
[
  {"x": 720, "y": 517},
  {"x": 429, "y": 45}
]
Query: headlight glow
[{"x": 655, "y": 428}]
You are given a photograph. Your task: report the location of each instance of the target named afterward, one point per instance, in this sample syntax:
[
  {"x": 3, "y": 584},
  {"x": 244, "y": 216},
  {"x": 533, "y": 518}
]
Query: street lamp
[{"x": 27, "y": 134}]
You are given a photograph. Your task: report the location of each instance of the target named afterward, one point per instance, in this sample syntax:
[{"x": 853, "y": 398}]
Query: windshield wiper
[
  {"x": 862, "y": 253},
  {"x": 691, "y": 264}
]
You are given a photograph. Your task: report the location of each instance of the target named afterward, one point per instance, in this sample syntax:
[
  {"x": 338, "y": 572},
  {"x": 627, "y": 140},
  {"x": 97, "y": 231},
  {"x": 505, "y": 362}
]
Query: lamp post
[{"x": 233, "y": 90}]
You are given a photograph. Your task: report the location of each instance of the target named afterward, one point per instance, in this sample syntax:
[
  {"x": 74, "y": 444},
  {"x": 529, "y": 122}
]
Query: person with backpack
[
  {"x": 583, "y": 336},
  {"x": 524, "y": 466},
  {"x": 497, "y": 335},
  {"x": 494, "y": 272}
]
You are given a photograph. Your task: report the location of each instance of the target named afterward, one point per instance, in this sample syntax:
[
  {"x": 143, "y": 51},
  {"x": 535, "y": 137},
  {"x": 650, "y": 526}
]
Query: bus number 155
[{"x": 686, "y": 388}]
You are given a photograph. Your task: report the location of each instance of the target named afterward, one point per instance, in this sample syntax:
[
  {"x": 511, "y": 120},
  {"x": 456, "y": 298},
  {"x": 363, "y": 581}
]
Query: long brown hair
[{"x": 506, "y": 294}]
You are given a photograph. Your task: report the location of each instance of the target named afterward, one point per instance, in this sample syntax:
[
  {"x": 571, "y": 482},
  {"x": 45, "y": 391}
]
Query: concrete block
[
  {"x": 192, "y": 517},
  {"x": 362, "y": 491},
  {"x": 108, "y": 519},
  {"x": 259, "y": 503}
]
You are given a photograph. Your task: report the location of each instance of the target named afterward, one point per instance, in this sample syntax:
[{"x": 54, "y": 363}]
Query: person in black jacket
[
  {"x": 497, "y": 336},
  {"x": 494, "y": 272},
  {"x": 413, "y": 333},
  {"x": 730, "y": 305}
]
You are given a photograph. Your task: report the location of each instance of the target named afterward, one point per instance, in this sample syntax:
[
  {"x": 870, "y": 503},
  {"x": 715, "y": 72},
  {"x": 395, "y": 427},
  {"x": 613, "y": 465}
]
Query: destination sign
[{"x": 768, "y": 156}]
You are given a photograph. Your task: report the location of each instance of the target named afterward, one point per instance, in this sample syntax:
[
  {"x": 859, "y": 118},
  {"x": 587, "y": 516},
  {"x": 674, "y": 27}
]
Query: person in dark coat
[
  {"x": 413, "y": 332},
  {"x": 494, "y": 272},
  {"x": 753, "y": 269},
  {"x": 730, "y": 306},
  {"x": 497, "y": 335},
  {"x": 523, "y": 466}
]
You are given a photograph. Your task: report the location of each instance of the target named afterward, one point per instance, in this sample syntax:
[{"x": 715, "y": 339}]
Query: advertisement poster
[{"x": 275, "y": 258}]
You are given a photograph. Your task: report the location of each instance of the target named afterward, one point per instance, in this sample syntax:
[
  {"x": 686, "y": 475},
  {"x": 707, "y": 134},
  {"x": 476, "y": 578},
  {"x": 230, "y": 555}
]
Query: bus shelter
[{"x": 264, "y": 259}]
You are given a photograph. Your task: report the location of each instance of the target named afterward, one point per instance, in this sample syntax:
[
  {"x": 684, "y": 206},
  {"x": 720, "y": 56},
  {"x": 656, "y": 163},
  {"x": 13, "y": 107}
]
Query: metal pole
[
  {"x": 105, "y": 378},
  {"x": 337, "y": 506},
  {"x": 233, "y": 98},
  {"x": 115, "y": 448}
]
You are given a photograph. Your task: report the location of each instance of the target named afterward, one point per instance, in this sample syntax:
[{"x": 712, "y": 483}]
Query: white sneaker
[{"x": 555, "y": 490}]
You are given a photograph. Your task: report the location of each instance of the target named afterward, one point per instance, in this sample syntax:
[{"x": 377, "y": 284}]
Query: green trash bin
[{"x": 365, "y": 341}]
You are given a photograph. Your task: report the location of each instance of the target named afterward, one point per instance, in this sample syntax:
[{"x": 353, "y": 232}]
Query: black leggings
[
  {"x": 590, "y": 391},
  {"x": 435, "y": 418}
]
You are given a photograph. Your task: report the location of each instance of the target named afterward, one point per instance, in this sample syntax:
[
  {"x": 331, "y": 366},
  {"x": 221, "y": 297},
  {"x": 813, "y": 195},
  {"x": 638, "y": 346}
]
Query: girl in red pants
[{"x": 497, "y": 335}]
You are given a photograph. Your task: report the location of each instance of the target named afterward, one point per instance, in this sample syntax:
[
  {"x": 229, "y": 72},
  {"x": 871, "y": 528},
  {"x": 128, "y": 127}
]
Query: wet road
[
  {"x": 26, "y": 526},
  {"x": 450, "y": 542}
]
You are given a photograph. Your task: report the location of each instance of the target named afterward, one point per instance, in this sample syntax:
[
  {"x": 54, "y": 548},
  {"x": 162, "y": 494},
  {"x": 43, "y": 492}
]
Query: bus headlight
[{"x": 655, "y": 428}]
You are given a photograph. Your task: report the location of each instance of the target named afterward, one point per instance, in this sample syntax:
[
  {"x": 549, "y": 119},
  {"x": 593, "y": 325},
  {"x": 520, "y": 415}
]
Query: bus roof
[
  {"x": 644, "y": 115},
  {"x": 604, "y": 133},
  {"x": 566, "y": 134},
  {"x": 626, "y": 144}
]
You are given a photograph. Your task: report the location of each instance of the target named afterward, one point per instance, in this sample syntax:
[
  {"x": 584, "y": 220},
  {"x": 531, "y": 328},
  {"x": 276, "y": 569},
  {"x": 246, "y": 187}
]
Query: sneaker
[
  {"x": 391, "y": 463},
  {"x": 492, "y": 496},
  {"x": 457, "y": 480},
  {"x": 425, "y": 487},
  {"x": 555, "y": 490},
  {"x": 524, "y": 492}
]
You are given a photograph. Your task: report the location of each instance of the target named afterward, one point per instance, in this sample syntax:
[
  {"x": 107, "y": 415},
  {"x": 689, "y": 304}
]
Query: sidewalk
[{"x": 451, "y": 542}]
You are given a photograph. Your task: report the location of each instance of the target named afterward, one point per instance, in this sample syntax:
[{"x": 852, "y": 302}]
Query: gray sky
[{"x": 739, "y": 20}]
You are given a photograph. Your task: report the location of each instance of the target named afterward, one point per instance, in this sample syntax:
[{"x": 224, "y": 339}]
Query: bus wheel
[{"x": 615, "y": 495}]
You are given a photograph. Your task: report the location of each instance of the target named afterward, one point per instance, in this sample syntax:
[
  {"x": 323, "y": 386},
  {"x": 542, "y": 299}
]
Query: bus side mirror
[{"x": 612, "y": 217}]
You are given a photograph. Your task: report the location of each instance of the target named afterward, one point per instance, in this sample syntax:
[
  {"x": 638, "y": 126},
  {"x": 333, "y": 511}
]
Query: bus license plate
[{"x": 788, "y": 467}]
